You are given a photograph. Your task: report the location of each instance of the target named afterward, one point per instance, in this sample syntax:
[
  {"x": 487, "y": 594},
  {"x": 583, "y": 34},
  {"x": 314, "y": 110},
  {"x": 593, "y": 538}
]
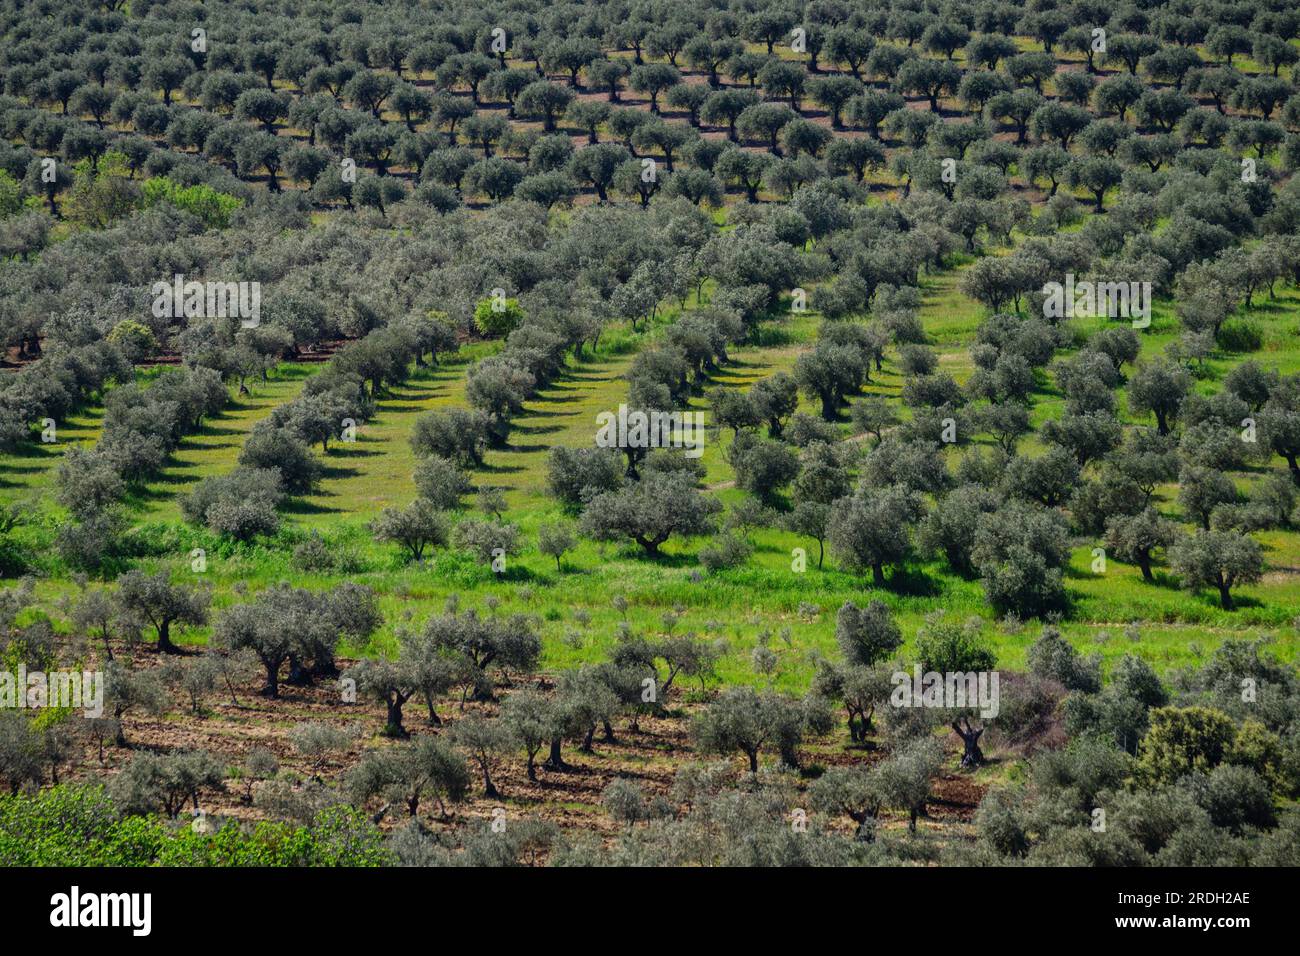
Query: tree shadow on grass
[
  {"x": 139, "y": 497},
  {"x": 538, "y": 429},
  {"x": 8, "y": 469},
  {"x": 514, "y": 572},
  {"x": 238, "y": 405},
  {"x": 581, "y": 377},
  {"x": 210, "y": 429},
  {"x": 1240, "y": 602},
  {"x": 734, "y": 363},
  {"x": 1264, "y": 306},
  {"x": 1074, "y": 574},
  {"x": 437, "y": 380},
  {"x": 718, "y": 378},
  {"x": 189, "y": 445},
  {"x": 500, "y": 469},
  {"x": 910, "y": 582},
  {"x": 549, "y": 413},
  {"x": 408, "y": 401},
  {"x": 173, "y": 476},
  {"x": 301, "y": 506},
  {"x": 565, "y": 396},
  {"x": 414, "y": 389},
  {"x": 403, "y": 409},
  {"x": 36, "y": 450},
  {"x": 1163, "y": 579},
  {"x": 528, "y": 449},
  {"x": 634, "y": 552},
  {"x": 336, "y": 472},
  {"x": 350, "y": 450}
]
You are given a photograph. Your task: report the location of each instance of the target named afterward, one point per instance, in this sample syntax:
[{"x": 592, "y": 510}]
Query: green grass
[
  {"x": 30, "y": 470},
  {"x": 1173, "y": 627},
  {"x": 214, "y": 448}
]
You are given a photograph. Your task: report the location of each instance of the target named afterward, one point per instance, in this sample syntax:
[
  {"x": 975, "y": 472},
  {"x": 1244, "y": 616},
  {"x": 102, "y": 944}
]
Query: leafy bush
[
  {"x": 70, "y": 825},
  {"x": 497, "y": 317},
  {"x": 213, "y": 208},
  {"x": 241, "y": 504},
  {"x": 726, "y": 551}
]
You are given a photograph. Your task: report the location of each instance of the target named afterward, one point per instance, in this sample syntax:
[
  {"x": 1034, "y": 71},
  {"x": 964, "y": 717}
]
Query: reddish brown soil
[{"x": 571, "y": 798}]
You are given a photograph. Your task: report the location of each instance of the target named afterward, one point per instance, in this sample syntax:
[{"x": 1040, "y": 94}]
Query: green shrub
[
  {"x": 726, "y": 551},
  {"x": 136, "y": 340},
  {"x": 496, "y": 317},
  {"x": 72, "y": 825},
  {"x": 212, "y": 207}
]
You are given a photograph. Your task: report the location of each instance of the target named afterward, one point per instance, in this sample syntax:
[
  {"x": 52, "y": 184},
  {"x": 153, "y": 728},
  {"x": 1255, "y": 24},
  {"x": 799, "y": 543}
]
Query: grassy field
[{"x": 765, "y": 600}]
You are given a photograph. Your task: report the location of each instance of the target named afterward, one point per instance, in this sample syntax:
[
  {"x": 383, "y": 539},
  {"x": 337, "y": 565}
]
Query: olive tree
[
  {"x": 407, "y": 773},
  {"x": 1135, "y": 538},
  {"x": 1218, "y": 559},
  {"x": 155, "y": 600},
  {"x": 295, "y": 626},
  {"x": 531, "y": 721},
  {"x": 483, "y": 739},
  {"x": 415, "y": 527},
  {"x": 650, "y": 511},
  {"x": 744, "y": 720},
  {"x": 1159, "y": 388},
  {"x": 903, "y": 780},
  {"x": 458, "y": 434},
  {"x": 868, "y": 634},
  {"x": 166, "y": 782},
  {"x": 1020, "y": 551},
  {"x": 1279, "y": 422},
  {"x": 872, "y": 530}
]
